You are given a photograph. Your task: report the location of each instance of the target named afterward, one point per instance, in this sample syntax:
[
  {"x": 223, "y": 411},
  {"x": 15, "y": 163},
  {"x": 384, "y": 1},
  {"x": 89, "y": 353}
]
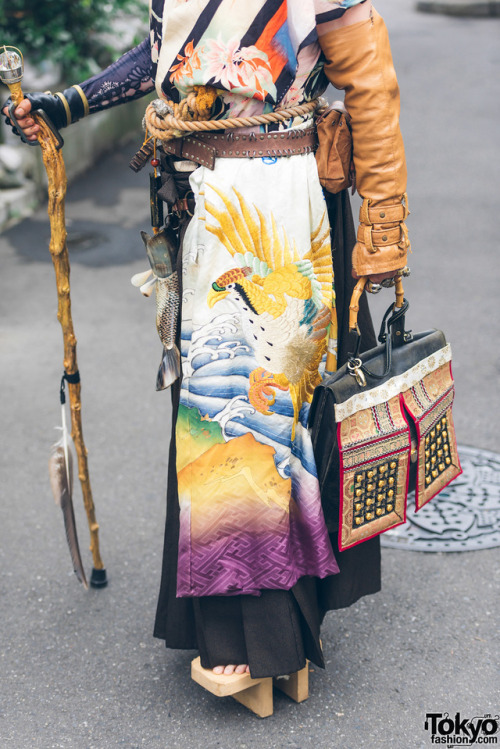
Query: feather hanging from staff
[{"x": 61, "y": 481}]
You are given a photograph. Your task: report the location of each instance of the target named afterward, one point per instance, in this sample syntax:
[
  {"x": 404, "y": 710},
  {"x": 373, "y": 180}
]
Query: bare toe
[
  {"x": 229, "y": 670},
  {"x": 218, "y": 670},
  {"x": 241, "y": 669}
]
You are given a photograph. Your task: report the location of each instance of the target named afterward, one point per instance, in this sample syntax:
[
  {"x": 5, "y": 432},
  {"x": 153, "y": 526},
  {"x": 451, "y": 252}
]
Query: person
[{"x": 250, "y": 568}]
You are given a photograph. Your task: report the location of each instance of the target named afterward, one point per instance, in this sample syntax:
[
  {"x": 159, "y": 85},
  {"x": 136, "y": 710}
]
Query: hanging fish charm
[
  {"x": 61, "y": 481},
  {"x": 162, "y": 250}
]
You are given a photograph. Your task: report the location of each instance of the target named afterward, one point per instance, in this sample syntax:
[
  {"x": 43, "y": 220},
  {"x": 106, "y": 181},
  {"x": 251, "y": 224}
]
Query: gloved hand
[
  {"x": 359, "y": 60},
  {"x": 62, "y": 108}
]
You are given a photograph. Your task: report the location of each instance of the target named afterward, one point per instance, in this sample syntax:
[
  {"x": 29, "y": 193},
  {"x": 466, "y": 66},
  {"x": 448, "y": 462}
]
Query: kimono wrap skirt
[{"x": 249, "y": 567}]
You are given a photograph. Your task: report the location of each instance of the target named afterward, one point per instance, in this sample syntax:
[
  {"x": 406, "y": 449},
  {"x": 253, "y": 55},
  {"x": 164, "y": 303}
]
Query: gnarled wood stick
[{"x": 57, "y": 182}]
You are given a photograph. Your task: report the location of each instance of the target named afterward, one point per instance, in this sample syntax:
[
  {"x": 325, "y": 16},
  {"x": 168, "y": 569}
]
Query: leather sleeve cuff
[
  {"x": 83, "y": 97},
  {"x": 373, "y": 237},
  {"x": 65, "y": 104},
  {"x": 366, "y": 262},
  {"x": 77, "y": 102},
  {"x": 382, "y": 236},
  {"x": 384, "y": 214}
]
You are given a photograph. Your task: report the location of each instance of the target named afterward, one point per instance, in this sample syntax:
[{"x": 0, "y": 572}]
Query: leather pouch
[
  {"x": 382, "y": 426},
  {"x": 334, "y": 152}
]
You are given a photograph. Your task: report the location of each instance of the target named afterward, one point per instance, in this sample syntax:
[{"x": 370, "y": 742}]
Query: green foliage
[{"x": 68, "y": 32}]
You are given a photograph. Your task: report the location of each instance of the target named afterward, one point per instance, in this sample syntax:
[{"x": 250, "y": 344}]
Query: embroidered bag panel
[
  {"x": 429, "y": 404},
  {"x": 374, "y": 447}
]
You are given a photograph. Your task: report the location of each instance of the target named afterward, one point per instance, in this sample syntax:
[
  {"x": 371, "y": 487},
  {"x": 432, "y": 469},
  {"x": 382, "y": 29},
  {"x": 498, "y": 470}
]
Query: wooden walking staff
[{"x": 11, "y": 73}]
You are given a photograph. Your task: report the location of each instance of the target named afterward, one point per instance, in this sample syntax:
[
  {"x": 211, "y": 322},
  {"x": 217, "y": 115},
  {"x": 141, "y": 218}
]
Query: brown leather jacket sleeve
[{"x": 359, "y": 61}]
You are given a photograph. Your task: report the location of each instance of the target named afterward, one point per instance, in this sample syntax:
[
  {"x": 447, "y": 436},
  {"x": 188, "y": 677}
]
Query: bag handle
[
  {"x": 396, "y": 322},
  {"x": 392, "y": 330},
  {"x": 356, "y": 295}
]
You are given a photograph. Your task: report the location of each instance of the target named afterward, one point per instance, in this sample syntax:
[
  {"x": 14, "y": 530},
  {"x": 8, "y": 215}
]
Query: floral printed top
[{"x": 258, "y": 53}]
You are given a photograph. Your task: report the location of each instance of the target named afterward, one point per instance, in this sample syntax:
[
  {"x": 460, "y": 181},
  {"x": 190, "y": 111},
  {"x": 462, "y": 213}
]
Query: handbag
[
  {"x": 382, "y": 426},
  {"x": 334, "y": 151}
]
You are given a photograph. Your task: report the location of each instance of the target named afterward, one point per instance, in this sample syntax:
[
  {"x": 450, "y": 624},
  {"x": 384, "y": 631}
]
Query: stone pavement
[{"x": 82, "y": 671}]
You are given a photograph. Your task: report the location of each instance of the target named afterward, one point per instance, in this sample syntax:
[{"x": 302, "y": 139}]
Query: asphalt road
[{"x": 82, "y": 670}]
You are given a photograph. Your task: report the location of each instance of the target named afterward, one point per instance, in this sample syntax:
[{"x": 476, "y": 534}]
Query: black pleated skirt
[{"x": 277, "y": 631}]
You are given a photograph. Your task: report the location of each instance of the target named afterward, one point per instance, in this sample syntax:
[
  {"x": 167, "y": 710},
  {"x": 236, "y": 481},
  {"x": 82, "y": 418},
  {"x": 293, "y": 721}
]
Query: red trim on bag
[
  {"x": 407, "y": 414},
  {"x": 341, "y": 487},
  {"x": 360, "y": 465},
  {"x": 436, "y": 403},
  {"x": 367, "y": 538},
  {"x": 419, "y": 440},
  {"x": 416, "y": 422},
  {"x": 402, "y": 406},
  {"x": 417, "y": 483},
  {"x": 456, "y": 465}
]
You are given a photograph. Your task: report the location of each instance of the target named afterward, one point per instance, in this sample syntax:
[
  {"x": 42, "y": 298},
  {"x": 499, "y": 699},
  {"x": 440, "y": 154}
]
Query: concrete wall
[{"x": 84, "y": 143}]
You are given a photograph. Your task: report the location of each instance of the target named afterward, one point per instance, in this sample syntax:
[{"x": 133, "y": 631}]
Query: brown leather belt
[{"x": 204, "y": 148}]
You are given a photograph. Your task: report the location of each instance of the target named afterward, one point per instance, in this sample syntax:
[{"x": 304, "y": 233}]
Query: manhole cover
[{"x": 464, "y": 517}]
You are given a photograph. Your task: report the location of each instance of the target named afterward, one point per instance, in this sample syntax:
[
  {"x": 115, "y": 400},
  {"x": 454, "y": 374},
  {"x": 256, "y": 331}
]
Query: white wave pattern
[
  {"x": 237, "y": 408},
  {"x": 239, "y": 427},
  {"x": 218, "y": 339},
  {"x": 214, "y": 332},
  {"x": 192, "y": 256}
]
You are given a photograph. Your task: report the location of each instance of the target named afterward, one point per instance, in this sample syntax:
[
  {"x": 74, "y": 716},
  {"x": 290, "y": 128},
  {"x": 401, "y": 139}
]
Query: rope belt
[
  {"x": 186, "y": 134},
  {"x": 184, "y": 131},
  {"x": 161, "y": 124}
]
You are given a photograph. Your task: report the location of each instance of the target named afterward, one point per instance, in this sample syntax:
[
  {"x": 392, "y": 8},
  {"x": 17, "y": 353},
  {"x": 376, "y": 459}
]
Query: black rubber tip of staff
[{"x": 98, "y": 578}]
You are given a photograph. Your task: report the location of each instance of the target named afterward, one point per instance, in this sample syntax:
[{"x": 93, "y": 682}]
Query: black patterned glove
[
  {"x": 127, "y": 79},
  {"x": 61, "y": 108}
]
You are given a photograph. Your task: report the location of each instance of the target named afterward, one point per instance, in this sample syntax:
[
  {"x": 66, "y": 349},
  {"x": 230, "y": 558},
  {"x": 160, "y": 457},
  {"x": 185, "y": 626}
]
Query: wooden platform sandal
[{"x": 255, "y": 694}]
